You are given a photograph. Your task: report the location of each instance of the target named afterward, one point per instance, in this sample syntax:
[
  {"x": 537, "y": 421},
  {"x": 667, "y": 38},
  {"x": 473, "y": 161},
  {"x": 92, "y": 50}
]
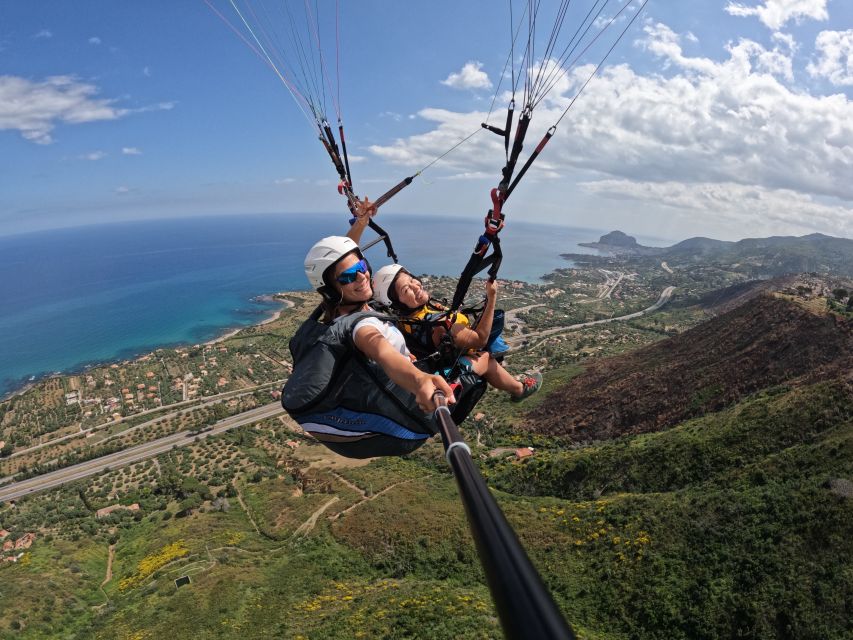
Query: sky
[{"x": 715, "y": 118}]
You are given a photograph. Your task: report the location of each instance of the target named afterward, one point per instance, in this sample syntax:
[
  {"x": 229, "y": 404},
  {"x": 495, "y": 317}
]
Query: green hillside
[{"x": 731, "y": 525}]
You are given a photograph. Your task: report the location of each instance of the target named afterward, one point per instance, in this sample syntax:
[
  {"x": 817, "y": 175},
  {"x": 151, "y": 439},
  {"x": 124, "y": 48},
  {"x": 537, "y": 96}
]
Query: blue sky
[{"x": 718, "y": 118}]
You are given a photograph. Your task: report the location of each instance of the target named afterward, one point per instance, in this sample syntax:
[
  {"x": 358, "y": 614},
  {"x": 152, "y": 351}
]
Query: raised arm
[
  {"x": 363, "y": 213},
  {"x": 400, "y": 369},
  {"x": 466, "y": 338}
]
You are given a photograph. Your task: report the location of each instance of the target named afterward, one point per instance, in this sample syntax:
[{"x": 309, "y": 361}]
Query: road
[
  {"x": 511, "y": 321},
  {"x": 665, "y": 295},
  {"x": 610, "y": 285},
  {"x": 197, "y": 402},
  {"x": 59, "y": 477}
]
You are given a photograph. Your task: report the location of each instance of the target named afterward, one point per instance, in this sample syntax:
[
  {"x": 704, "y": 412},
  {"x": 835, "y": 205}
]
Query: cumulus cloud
[
  {"x": 94, "y": 155},
  {"x": 471, "y": 76},
  {"x": 36, "y": 108},
  {"x": 774, "y": 14},
  {"x": 734, "y": 121},
  {"x": 131, "y": 151},
  {"x": 146, "y": 71},
  {"x": 44, "y": 34},
  {"x": 94, "y": 40},
  {"x": 834, "y": 57},
  {"x": 749, "y": 207}
]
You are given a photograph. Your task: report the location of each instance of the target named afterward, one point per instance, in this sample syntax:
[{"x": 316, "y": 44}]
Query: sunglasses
[{"x": 350, "y": 275}]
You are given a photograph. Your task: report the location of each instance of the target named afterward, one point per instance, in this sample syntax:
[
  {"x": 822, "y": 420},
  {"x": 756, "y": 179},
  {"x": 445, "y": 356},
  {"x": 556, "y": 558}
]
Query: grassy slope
[{"x": 722, "y": 527}]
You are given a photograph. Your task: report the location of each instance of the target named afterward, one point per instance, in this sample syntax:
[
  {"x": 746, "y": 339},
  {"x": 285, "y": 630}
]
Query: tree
[{"x": 839, "y": 294}]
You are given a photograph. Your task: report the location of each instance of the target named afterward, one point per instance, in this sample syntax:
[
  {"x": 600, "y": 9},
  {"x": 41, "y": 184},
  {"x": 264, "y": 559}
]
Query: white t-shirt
[{"x": 391, "y": 333}]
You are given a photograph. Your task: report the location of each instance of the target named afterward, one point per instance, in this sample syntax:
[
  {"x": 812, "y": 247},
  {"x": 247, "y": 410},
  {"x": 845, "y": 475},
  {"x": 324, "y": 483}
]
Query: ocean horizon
[{"x": 82, "y": 296}]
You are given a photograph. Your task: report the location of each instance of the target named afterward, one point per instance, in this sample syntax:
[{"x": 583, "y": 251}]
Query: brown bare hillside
[
  {"x": 760, "y": 344},
  {"x": 729, "y": 298}
]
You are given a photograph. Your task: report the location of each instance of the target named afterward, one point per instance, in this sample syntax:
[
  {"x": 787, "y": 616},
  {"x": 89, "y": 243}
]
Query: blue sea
[{"x": 87, "y": 295}]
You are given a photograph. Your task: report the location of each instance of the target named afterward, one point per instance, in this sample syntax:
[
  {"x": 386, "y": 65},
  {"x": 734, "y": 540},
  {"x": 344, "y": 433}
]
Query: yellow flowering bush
[{"x": 151, "y": 563}]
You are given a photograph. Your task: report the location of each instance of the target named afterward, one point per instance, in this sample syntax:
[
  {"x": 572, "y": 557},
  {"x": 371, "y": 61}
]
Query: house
[
  {"x": 3, "y": 534},
  {"x": 8, "y": 545},
  {"x": 25, "y": 541},
  {"x": 149, "y": 374},
  {"x": 102, "y": 513},
  {"x": 523, "y": 452}
]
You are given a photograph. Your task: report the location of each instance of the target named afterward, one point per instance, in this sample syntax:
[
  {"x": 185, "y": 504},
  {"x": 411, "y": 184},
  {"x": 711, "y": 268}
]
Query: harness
[
  {"x": 346, "y": 401},
  {"x": 418, "y": 327}
]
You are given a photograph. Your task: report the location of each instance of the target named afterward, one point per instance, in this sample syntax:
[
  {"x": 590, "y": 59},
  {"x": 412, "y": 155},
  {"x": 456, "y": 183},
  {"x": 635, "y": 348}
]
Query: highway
[{"x": 59, "y": 477}]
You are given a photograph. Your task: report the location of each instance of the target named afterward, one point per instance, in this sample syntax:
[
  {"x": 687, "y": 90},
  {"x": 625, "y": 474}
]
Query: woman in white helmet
[
  {"x": 354, "y": 386},
  {"x": 395, "y": 287}
]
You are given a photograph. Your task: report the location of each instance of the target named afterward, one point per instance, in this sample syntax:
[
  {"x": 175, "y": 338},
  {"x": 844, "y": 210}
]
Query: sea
[{"x": 78, "y": 297}]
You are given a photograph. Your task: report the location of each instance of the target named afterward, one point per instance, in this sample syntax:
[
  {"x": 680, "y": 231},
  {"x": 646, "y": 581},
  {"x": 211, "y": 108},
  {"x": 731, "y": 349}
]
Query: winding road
[{"x": 665, "y": 295}]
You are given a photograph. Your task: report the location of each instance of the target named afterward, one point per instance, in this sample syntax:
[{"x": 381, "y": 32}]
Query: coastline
[{"x": 229, "y": 333}]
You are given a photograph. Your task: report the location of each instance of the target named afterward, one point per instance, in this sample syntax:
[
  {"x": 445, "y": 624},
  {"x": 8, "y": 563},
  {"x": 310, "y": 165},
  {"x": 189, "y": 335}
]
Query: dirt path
[
  {"x": 246, "y": 508},
  {"x": 352, "y": 486},
  {"x": 375, "y": 495},
  {"x": 308, "y": 525},
  {"x": 109, "y": 575}
]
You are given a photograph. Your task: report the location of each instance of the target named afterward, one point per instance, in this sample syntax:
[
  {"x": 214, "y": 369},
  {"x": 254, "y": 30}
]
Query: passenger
[
  {"x": 397, "y": 288},
  {"x": 354, "y": 386}
]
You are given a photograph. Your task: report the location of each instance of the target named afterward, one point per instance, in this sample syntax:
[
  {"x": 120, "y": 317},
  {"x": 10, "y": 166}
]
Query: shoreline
[
  {"x": 285, "y": 304},
  {"x": 229, "y": 333}
]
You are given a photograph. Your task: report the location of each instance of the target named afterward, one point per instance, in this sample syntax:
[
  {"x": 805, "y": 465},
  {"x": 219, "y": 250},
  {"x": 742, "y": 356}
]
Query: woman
[
  {"x": 354, "y": 386},
  {"x": 399, "y": 289}
]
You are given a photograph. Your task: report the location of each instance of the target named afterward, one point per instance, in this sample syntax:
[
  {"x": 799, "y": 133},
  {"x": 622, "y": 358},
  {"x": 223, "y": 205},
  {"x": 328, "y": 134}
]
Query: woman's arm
[
  {"x": 363, "y": 213},
  {"x": 466, "y": 338},
  {"x": 400, "y": 369}
]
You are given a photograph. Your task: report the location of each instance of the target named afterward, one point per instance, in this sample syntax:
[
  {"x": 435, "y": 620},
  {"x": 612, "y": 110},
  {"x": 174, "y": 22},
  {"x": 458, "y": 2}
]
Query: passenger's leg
[{"x": 495, "y": 374}]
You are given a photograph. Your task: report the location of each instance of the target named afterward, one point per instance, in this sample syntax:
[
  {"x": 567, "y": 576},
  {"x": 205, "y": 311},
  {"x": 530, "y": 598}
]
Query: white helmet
[
  {"x": 324, "y": 254},
  {"x": 382, "y": 281}
]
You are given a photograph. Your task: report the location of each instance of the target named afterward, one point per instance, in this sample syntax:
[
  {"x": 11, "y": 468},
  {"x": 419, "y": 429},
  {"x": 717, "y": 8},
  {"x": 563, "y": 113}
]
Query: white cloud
[
  {"x": 44, "y": 34},
  {"x": 131, "y": 151},
  {"x": 94, "y": 155},
  {"x": 146, "y": 71},
  {"x": 122, "y": 189},
  {"x": 751, "y": 208},
  {"x": 734, "y": 121},
  {"x": 835, "y": 57},
  {"x": 470, "y": 76},
  {"x": 94, "y": 40},
  {"x": 284, "y": 181},
  {"x": 774, "y": 14},
  {"x": 36, "y": 108}
]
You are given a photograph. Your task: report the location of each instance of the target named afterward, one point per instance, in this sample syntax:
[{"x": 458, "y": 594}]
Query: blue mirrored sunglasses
[{"x": 350, "y": 275}]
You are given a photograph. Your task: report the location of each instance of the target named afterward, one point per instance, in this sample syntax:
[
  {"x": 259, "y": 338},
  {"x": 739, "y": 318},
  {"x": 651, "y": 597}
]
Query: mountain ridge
[{"x": 765, "y": 342}]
